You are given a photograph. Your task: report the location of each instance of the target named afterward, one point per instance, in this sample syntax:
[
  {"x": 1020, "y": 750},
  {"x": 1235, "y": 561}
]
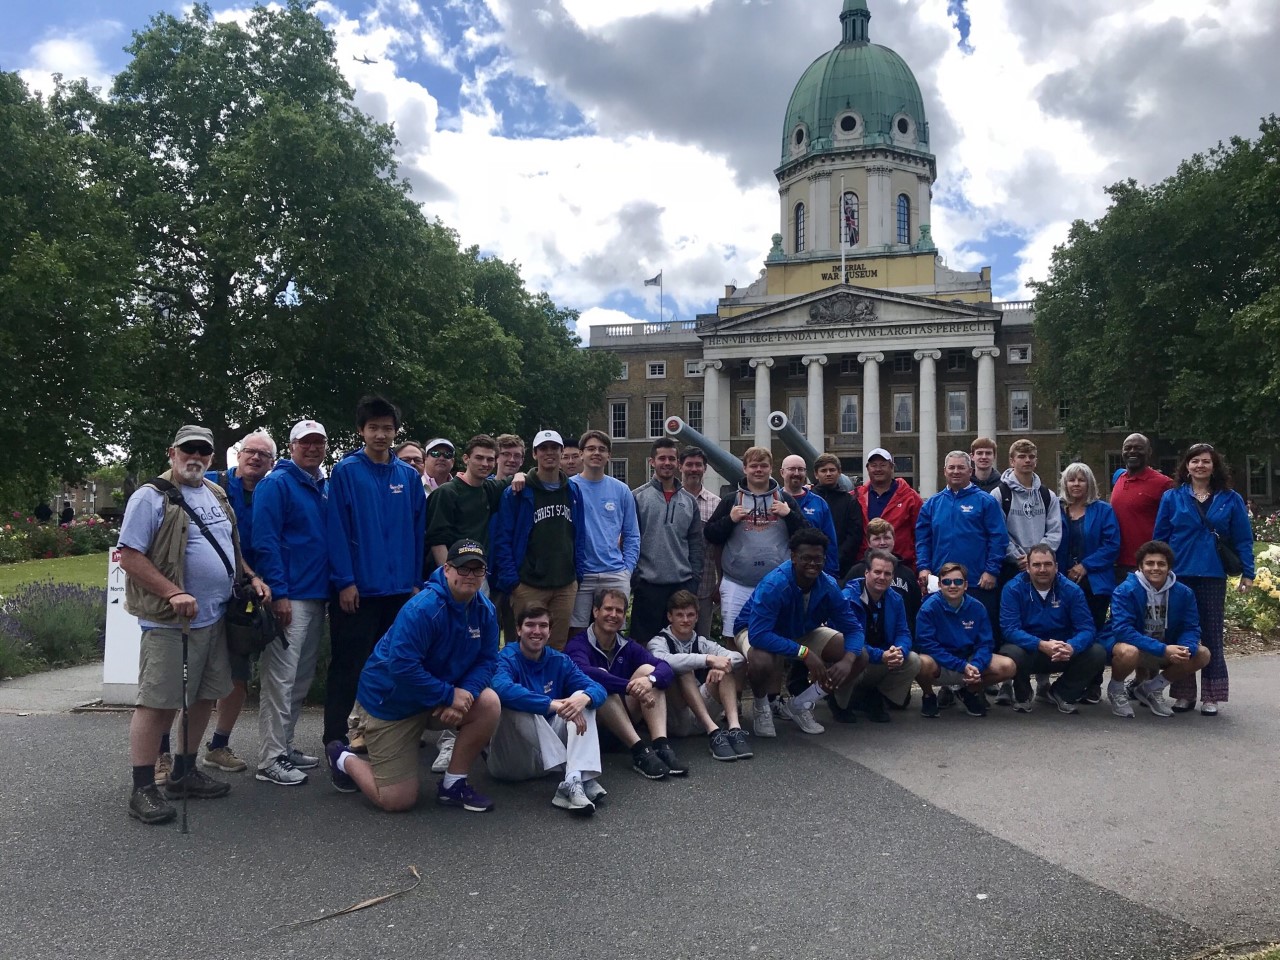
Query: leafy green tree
[{"x": 1167, "y": 308}]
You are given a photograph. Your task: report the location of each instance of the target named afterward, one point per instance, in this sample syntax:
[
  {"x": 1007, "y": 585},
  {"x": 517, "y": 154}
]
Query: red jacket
[{"x": 901, "y": 512}]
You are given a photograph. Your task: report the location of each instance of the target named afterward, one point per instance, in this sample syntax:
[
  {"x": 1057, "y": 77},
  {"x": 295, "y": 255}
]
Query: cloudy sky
[{"x": 597, "y": 142}]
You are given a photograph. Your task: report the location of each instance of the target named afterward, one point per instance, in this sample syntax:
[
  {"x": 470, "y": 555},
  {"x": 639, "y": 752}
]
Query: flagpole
[
  {"x": 661, "y": 299},
  {"x": 843, "y": 230}
]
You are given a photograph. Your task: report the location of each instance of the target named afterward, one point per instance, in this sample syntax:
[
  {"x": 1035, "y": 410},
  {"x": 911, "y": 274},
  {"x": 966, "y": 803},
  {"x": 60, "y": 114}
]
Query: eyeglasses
[
  {"x": 412, "y": 459},
  {"x": 193, "y": 448},
  {"x": 473, "y": 570},
  {"x": 440, "y": 455},
  {"x": 952, "y": 582},
  {"x": 257, "y": 454}
]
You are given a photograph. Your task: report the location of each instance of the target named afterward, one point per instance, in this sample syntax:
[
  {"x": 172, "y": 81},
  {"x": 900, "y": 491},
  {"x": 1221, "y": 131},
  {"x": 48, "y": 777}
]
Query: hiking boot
[
  {"x": 668, "y": 756},
  {"x": 1118, "y": 694},
  {"x": 445, "y": 756},
  {"x": 571, "y": 796},
  {"x": 1152, "y": 697},
  {"x": 463, "y": 795},
  {"x": 303, "y": 761},
  {"x": 720, "y": 747},
  {"x": 762, "y": 719},
  {"x": 1005, "y": 697},
  {"x": 946, "y": 698},
  {"x": 594, "y": 791},
  {"x": 648, "y": 764},
  {"x": 803, "y": 717},
  {"x": 738, "y": 740},
  {"x": 341, "y": 782},
  {"x": 222, "y": 759},
  {"x": 929, "y": 705},
  {"x": 975, "y": 704},
  {"x": 164, "y": 767},
  {"x": 1062, "y": 705},
  {"x": 196, "y": 785},
  {"x": 147, "y": 805},
  {"x": 282, "y": 773}
]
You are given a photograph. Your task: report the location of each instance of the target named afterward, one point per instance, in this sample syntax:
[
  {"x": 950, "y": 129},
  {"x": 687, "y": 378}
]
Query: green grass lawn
[{"x": 89, "y": 570}]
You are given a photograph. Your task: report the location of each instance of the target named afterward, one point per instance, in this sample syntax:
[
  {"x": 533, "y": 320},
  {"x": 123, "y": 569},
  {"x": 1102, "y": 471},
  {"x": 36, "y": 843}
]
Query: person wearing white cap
[
  {"x": 884, "y": 495},
  {"x": 439, "y": 463},
  {"x": 292, "y": 530},
  {"x": 611, "y": 542}
]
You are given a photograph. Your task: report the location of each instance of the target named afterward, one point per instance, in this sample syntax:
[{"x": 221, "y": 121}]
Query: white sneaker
[
  {"x": 303, "y": 761},
  {"x": 282, "y": 773},
  {"x": 1119, "y": 697},
  {"x": 571, "y": 796},
  {"x": 803, "y": 717},
  {"x": 1153, "y": 697},
  {"x": 445, "y": 746},
  {"x": 762, "y": 720}
]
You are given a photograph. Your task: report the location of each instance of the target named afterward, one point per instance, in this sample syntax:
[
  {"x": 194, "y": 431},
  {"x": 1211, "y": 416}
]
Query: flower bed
[
  {"x": 46, "y": 624},
  {"x": 1258, "y": 609},
  {"x": 23, "y": 538}
]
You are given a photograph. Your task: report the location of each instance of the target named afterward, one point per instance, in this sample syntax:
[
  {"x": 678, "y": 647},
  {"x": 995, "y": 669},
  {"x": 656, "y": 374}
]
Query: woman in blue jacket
[
  {"x": 1194, "y": 517},
  {"x": 1090, "y": 539}
]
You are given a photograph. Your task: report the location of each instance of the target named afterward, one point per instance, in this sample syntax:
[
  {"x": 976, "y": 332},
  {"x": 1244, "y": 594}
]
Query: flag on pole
[{"x": 654, "y": 281}]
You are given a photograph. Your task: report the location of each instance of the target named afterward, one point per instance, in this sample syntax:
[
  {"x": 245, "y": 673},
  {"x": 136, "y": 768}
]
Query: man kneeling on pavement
[
  {"x": 548, "y": 716},
  {"x": 1047, "y": 628},
  {"x": 432, "y": 669}
]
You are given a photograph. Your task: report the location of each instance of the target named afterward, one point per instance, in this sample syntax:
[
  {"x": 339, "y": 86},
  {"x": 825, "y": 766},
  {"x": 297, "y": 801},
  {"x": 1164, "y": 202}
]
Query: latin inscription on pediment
[{"x": 843, "y": 308}]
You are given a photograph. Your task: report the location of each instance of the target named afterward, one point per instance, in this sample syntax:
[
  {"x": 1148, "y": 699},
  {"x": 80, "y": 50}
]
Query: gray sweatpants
[{"x": 286, "y": 677}]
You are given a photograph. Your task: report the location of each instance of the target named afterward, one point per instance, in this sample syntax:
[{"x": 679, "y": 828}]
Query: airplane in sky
[{"x": 363, "y": 60}]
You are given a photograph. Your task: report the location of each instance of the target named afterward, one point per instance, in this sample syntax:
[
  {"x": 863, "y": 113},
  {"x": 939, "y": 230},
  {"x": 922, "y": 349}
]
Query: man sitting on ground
[
  {"x": 1047, "y": 628},
  {"x": 891, "y": 666},
  {"x": 1154, "y": 624},
  {"x": 635, "y": 680},
  {"x": 708, "y": 678},
  {"x": 798, "y": 612},
  {"x": 548, "y": 717},
  {"x": 953, "y": 638},
  {"x": 430, "y": 670}
]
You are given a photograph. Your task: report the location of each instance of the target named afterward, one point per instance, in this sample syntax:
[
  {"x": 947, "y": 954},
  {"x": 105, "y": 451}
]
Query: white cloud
[{"x": 72, "y": 54}]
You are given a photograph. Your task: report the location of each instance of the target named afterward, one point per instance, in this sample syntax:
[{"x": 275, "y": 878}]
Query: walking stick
[{"x": 186, "y": 718}]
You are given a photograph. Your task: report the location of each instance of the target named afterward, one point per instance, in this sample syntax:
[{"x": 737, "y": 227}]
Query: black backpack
[{"x": 1006, "y": 498}]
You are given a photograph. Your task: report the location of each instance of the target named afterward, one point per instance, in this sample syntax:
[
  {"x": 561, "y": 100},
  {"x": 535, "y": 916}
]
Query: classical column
[
  {"x": 881, "y": 222},
  {"x": 762, "y": 366},
  {"x": 711, "y": 400},
  {"x": 927, "y": 470},
  {"x": 924, "y": 201},
  {"x": 814, "y": 405},
  {"x": 870, "y": 400},
  {"x": 820, "y": 210},
  {"x": 987, "y": 390}
]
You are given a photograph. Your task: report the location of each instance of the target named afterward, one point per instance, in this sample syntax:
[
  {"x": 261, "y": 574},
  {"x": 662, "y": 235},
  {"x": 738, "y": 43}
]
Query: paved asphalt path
[{"x": 1019, "y": 837}]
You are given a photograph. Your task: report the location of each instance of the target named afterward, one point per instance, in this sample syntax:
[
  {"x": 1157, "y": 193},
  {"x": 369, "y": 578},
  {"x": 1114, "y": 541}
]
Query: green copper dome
[{"x": 859, "y": 94}]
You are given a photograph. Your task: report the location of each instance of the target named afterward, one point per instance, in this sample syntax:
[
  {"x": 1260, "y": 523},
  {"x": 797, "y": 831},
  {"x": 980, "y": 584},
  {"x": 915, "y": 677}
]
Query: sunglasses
[
  {"x": 952, "y": 582},
  {"x": 441, "y": 454},
  {"x": 203, "y": 449}
]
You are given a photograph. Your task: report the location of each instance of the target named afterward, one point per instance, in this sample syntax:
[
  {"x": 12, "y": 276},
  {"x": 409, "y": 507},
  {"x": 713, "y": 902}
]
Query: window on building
[
  {"x": 799, "y": 228},
  {"x": 903, "y": 413},
  {"x": 1020, "y": 353},
  {"x": 745, "y": 370},
  {"x": 798, "y": 413},
  {"x": 903, "y": 363},
  {"x": 746, "y": 416},
  {"x": 618, "y": 419},
  {"x": 693, "y": 368},
  {"x": 849, "y": 413},
  {"x": 904, "y": 218},
  {"x": 957, "y": 361},
  {"x": 1019, "y": 409},
  {"x": 657, "y": 418},
  {"x": 622, "y": 374},
  {"x": 849, "y": 223},
  {"x": 1115, "y": 461},
  {"x": 1120, "y": 420},
  {"x": 693, "y": 414},
  {"x": 1064, "y": 412},
  {"x": 849, "y": 365},
  {"x": 618, "y": 470},
  {"x": 1259, "y": 472},
  {"x": 656, "y": 370},
  {"x": 957, "y": 411},
  {"x": 795, "y": 367}
]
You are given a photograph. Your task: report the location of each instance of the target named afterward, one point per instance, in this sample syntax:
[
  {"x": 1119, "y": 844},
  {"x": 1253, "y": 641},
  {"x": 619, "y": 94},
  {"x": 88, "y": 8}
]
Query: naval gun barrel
[
  {"x": 795, "y": 441},
  {"x": 724, "y": 463}
]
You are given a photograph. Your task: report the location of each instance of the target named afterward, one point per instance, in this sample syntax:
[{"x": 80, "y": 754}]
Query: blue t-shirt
[
  {"x": 612, "y": 528},
  {"x": 205, "y": 576}
]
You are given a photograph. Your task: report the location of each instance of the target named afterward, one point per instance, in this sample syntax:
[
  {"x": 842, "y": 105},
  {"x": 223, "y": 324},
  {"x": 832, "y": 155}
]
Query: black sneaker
[
  {"x": 720, "y": 746},
  {"x": 738, "y": 740},
  {"x": 147, "y": 805},
  {"x": 875, "y": 708},
  {"x": 975, "y": 704},
  {"x": 648, "y": 764},
  {"x": 929, "y": 705},
  {"x": 946, "y": 698},
  {"x": 668, "y": 756},
  {"x": 196, "y": 785},
  {"x": 838, "y": 713},
  {"x": 1092, "y": 694}
]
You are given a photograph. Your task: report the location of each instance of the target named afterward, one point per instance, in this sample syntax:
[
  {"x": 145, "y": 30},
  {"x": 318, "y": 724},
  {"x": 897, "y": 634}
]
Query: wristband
[
  {"x": 803, "y": 652},
  {"x": 180, "y": 593}
]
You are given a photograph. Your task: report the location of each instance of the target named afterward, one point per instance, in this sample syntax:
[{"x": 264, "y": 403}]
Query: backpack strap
[
  {"x": 1006, "y": 497},
  {"x": 174, "y": 496},
  {"x": 224, "y": 481}
]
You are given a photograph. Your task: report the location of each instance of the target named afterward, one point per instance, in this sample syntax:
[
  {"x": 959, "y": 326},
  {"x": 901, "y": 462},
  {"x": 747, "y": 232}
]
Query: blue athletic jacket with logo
[
  {"x": 953, "y": 637},
  {"x": 377, "y": 516}
]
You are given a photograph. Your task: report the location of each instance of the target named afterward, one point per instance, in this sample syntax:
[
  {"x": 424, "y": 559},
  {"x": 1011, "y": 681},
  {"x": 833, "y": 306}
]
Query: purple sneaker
[
  {"x": 341, "y": 782},
  {"x": 462, "y": 795}
]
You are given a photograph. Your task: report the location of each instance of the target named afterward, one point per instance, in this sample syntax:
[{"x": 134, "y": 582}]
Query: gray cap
[{"x": 192, "y": 432}]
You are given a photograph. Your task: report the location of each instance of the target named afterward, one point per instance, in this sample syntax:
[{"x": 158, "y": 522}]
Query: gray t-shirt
[{"x": 204, "y": 574}]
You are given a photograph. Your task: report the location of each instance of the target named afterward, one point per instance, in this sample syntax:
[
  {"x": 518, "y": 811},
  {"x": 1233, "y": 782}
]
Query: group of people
[{"x": 848, "y": 599}]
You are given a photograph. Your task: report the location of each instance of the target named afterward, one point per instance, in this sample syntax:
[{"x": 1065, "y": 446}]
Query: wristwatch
[{"x": 653, "y": 679}]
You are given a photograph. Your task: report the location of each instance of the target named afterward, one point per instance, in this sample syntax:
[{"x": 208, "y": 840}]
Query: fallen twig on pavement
[{"x": 362, "y": 905}]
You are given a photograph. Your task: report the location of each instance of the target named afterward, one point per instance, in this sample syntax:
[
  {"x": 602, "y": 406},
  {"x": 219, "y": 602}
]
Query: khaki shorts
[
  {"x": 393, "y": 744},
  {"x": 160, "y": 666},
  {"x": 816, "y": 640}
]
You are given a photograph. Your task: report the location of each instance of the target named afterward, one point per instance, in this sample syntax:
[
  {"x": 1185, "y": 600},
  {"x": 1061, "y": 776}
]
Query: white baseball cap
[
  {"x": 547, "y": 436},
  {"x": 879, "y": 452},
  {"x": 306, "y": 428}
]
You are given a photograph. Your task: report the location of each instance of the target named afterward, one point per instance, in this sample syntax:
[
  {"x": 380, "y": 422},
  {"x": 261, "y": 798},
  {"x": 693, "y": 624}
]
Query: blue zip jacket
[
  {"x": 435, "y": 645},
  {"x": 529, "y": 686},
  {"x": 894, "y": 611},
  {"x": 954, "y": 638},
  {"x": 614, "y": 674},
  {"x": 289, "y": 513},
  {"x": 818, "y": 513},
  {"x": 1195, "y": 554},
  {"x": 509, "y": 533},
  {"x": 377, "y": 517},
  {"x": 244, "y": 514},
  {"x": 1063, "y": 614},
  {"x": 1101, "y": 546},
  {"x": 966, "y": 526},
  {"x": 775, "y": 616},
  {"x": 1128, "y": 623}
]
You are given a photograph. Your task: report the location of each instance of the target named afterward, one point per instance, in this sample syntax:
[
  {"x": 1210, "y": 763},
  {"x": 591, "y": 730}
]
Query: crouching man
[
  {"x": 635, "y": 680},
  {"x": 708, "y": 678},
  {"x": 891, "y": 666},
  {"x": 1154, "y": 624},
  {"x": 548, "y": 717},
  {"x": 431, "y": 670},
  {"x": 1047, "y": 628}
]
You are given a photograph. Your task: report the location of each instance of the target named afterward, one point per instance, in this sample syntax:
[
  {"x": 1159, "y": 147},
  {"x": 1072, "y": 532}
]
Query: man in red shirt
[
  {"x": 892, "y": 498},
  {"x": 1135, "y": 497}
]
